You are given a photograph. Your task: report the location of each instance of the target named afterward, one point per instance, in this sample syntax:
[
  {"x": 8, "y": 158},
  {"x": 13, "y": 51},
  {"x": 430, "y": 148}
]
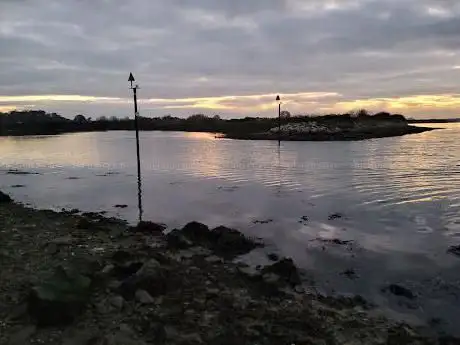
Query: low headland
[
  {"x": 351, "y": 126},
  {"x": 75, "y": 278}
]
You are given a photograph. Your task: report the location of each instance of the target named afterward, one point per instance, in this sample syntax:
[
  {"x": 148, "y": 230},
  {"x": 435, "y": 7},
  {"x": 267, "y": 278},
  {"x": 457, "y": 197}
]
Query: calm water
[{"x": 400, "y": 198}]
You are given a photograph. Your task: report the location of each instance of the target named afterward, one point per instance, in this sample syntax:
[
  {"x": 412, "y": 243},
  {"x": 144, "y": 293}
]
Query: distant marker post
[
  {"x": 278, "y": 99},
  {"x": 136, "y": 125}
]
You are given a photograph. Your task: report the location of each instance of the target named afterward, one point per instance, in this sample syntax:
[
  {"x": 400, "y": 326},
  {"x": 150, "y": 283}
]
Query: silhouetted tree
[{"x": 80, "y": 119}]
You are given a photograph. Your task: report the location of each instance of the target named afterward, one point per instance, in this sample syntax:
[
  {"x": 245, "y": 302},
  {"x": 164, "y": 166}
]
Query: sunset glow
[{"x": 297, "y": 103}]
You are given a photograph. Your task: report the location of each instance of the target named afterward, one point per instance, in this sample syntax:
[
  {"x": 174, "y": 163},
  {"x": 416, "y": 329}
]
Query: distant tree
[
  {"x": 285, "y": 114},
  {"x": 197, "y": 117},
  {"x": 102, "y": 118},
  {"x": 80, "y": 119},
  {"x": 216, "y": 117},
  {"x": 360, "y": 113},
  {"x": 113, "y": 119}
]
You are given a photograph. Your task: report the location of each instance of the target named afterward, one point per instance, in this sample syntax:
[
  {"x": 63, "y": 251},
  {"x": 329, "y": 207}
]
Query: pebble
[
  {"x": 117, "y": 302},
  {"x": 22, "y": 336},
  {"x": 65, "y": 240},
  {"x": 144, "y": 297}
]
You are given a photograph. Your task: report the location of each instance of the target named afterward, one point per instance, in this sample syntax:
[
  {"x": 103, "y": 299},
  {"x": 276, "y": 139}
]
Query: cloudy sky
[{"x": 231, "y": 57}]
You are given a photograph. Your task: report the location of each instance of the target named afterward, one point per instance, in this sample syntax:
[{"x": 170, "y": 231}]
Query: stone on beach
[
  {"x": 223, "y": 241},
  {"x": 59, "y": 299},
  {"x": 5, "y": 198}
]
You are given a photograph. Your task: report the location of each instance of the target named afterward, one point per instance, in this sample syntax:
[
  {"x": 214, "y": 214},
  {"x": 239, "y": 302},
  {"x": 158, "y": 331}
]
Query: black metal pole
[{"x": 139, "y": 183}]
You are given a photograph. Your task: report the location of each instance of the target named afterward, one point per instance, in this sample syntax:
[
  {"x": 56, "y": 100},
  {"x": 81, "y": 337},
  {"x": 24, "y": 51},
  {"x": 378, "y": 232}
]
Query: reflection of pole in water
[
  {"x": 136, "y": 124},
  {"x": 279, "y": 168},
  {"x": 139, "y": 197}
]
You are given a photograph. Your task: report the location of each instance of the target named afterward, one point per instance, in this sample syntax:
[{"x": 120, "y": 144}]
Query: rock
[
  {"x": 117, "y": 302},
  {"x": 126, "y": 270},
  {"x": 285, "y": 269},
  {"x": 248, "y": 271},
  {"x": 197, "y": 232},
  {"x": 266, "y": 221},
  {"x": 18, "y": 312},
  {"x": 122, "y": 256},
  {"x": 103, "y": 307},
  {"x": 83, "y": 224},
  {"x": 334, "y": 241},
  {"x": 335, "y": 216},
  {"x": 65, "y": 240},
  {"x": 213, "y": 259},
  {"x": 5, "y": 198},
  {"x": 270, "y": 278},
  {"x": 176, "y": 240},
  {"x": 52, "y": 248},
  {"x": 399, "y": 290},
  {"x": 22, "y": 336},
  {"x": 151, "y": 277},
  {"x": 121, "y": 338},
  {"x": 222, "y": 240},
  {"x": 350, "y": 273},
  {"x": 114, "y": 285},
  {"x": 455, "y": 250},
  {"x": 108, "y": 269},
  {"x": 231, "y": 242},
  {"x": 19, "y": 172},
  {"x": 273, "y": 257},
  {"x": 18, "y": 186},
  {"x": 121, "y": 206},
  {"x": 59, "y": 299},
  {"x": 144, "y": 297},
  {"x": 149, "y": 227}
]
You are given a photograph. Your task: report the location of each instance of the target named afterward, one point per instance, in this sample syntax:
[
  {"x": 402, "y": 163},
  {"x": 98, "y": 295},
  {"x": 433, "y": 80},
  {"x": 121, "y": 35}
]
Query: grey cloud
[{"x": 185, "y": 48}]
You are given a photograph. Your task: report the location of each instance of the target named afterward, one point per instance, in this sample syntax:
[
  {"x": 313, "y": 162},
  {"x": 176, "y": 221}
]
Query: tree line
[{"x": 35, "y": 122}]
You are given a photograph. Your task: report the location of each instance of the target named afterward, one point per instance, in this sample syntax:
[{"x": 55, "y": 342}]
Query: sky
[{"x": 231, "y": 57}]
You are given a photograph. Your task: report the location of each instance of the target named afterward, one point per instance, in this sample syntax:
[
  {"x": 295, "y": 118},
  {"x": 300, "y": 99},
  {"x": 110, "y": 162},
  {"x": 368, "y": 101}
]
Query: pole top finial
[
  {"x": 131, "y": 77},
  {"x": 278, "y": 98}
]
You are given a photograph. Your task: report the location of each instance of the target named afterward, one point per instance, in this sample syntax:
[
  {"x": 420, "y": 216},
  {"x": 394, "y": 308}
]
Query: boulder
[
  {"x": 231, "y": 242},
  {"x": 83, "y": 224},
  {"x": 223, "y": 241},
  {"x": 149, "y": 227},
  {"x": 197, "y": 232},
  {"x": 286, "y": 270},
  {"x": 151, "y": 277},
  {"x": 399, "y": 290},
  {"x": 22, "y": 336},
  {"x": 334, "y": 216},
  {"x": 455, "y": 250},
  {"x": 176, "y": 240},
  {"x": 58, "y": 300},
  {"x": 5, "y": 198},
  {"x": 144, "y": 297}
]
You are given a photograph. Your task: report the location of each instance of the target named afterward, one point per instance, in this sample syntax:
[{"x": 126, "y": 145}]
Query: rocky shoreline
[
  {"x": 328, "y": 134},
  {"x": 83, "y": 279}
]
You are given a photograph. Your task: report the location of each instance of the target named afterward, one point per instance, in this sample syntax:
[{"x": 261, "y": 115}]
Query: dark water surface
[{"x": 399, "y": 199}]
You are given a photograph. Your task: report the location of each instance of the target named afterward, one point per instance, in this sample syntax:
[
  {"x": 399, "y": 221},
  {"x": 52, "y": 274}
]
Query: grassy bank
[{"x": 68, "y": 278}]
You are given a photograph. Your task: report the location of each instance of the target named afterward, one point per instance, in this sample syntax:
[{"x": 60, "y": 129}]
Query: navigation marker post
[
  {"x": 278, "y": 99},
  {"x": 136, "y": 125}
]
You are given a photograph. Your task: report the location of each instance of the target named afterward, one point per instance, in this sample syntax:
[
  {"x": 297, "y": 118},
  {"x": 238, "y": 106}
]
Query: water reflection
[{"x": 400, "y": 196}]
